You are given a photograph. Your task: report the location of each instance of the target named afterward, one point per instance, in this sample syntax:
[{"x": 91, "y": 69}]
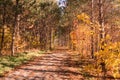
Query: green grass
[{"x": 7, "y": 63}]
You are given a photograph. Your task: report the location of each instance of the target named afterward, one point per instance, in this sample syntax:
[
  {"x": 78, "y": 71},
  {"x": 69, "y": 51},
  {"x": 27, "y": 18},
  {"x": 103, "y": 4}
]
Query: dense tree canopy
[{"x": 89, "y": 27}]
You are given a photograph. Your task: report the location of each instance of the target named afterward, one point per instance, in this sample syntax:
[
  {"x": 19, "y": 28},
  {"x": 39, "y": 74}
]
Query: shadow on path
[{"x": 53, "y": 66}]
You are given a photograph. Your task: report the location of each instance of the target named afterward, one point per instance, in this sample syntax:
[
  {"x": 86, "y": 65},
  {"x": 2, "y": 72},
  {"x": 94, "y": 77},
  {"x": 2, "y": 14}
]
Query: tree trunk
[
  {"x": 102, "y": 33},
  {"x": 50, "y": 37},
  {"x": 101, "y": 19},
  {"x": 14, "y": 29},
  {"x": 92, "y": 36},
  {"x": 3, "y": 27},
  {"x": 18, "y": 32},
  {"x": 42, "y": 35}
]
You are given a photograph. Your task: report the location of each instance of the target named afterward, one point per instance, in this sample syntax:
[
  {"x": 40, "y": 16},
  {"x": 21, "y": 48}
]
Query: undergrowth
[{"x": 7, "y": 63}]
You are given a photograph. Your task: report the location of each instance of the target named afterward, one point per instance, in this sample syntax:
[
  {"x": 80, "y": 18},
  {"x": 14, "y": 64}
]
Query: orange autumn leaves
[
  {"x": 73, "y": 36},
  {"x": 81, "y": 31},
  {"x": 84, "y": 18},
  {"x": 80, "y": 38}
]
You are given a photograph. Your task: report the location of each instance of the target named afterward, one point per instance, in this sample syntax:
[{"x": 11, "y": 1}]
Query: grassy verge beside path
[{"x": 8, "y": 63}]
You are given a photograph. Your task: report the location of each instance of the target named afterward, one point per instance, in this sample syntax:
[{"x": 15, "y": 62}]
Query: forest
[{"x": 80, "y": 40}]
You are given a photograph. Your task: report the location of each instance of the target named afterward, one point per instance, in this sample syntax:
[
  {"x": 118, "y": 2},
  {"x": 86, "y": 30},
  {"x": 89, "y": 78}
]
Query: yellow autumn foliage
[
  {"x": 84, "y": 17},
  {"x": 110, "y": 55},
  {"x": 73, "y": 37}
]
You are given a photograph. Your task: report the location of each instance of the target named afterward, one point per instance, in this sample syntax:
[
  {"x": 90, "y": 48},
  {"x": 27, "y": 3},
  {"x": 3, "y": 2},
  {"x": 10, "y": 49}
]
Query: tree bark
[
  {"x": 14, "y": 29},
  {"x": 3, "y": 29},
  {"x": 101, "y": 19},
  {"x": 92, "y": 36},
  {"x": 102, "y": 33}
]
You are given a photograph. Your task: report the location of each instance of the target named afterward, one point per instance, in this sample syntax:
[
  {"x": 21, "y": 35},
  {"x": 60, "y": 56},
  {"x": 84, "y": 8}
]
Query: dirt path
[{"x": 53, "y": 66}]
